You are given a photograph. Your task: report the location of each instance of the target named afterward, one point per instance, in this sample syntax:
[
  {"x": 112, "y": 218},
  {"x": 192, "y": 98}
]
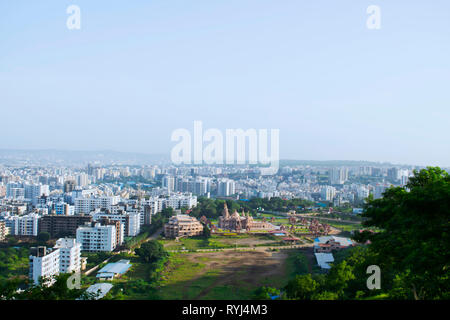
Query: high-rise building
[
  {"x": 327, "y": 193},
  {"x": 131, "y": 221},
  {"x": 168, "y": 182},
  {"x": 27, "y": 225},
  {"x": 69, "y": 186},
  {"x": 392, "y": 174},
  {"x": 97, "y": 237},
  {"x": 15, "y": 191},
  {"x": 338, "y": 175},
  {"x": 226, "y": 187},
  {"x": 87, "y": 205},
  {"x": 82, "y": 179}
]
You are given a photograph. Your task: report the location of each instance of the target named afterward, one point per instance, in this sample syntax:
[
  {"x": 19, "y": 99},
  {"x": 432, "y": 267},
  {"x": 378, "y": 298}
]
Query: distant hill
[
  {"x": 43, "y": 157},
  {"x": 65, "y": 157},
  {"x": 335, "y": 163}
]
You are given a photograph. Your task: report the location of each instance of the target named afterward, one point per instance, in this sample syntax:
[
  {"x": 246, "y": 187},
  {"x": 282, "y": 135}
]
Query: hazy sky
[{"x": 137, "y": 70}]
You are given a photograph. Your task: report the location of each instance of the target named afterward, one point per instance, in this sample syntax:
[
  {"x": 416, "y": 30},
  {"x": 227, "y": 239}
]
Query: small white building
[{"x": 99, "y": 289}]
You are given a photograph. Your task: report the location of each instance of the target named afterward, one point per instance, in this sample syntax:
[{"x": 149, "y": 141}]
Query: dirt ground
[{"x": 249, "y": 268}]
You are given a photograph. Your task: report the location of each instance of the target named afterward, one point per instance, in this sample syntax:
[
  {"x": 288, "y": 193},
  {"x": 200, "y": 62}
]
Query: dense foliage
[
  {"x": 151, "y": 251},
  {"x": 414, "y": 244},
  {"x": 58, "y": 291},
  {"x": 411, "y": 247},
  {"x": 13, "y": 262}
]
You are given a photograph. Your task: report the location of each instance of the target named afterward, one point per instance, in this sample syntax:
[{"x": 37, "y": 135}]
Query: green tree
[
  {"x": 206, "y": 231},
  {"x": 413, "y": 245},
  {"x": 338, "y": 278},
  {"x": 325, "y": 295},
  {"x": 302, "y": 287},
  {"x": 59, "y": 290},
  {"x": 151, "y": 251},
  {"x": 265, "y": 293},
  {"x": 167, "y": 212}
]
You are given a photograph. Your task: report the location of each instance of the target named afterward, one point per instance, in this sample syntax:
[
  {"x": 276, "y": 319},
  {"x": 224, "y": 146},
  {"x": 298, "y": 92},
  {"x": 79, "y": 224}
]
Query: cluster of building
[
  {"x": 336, "y": 184},
  {"x": 65, "y": 206}
]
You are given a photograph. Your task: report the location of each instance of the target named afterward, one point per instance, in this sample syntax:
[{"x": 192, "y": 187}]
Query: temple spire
[{"x": 225, "y": 211}]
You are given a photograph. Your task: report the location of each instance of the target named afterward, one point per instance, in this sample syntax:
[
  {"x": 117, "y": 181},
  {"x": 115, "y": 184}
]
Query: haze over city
[{"x": 133, "y": 74}]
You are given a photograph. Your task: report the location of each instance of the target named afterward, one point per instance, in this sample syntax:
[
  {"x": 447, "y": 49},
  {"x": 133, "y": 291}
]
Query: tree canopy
[
  {"x": 410, "y": 245},
  {"x": 413, "y": 245},
  {"x": 151, "y": 251}
]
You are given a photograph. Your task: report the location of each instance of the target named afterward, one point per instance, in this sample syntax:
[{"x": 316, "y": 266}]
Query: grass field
[
  {"x": 220, "y": 242},
  {"x": 225, "y": 275},
  {"x": 345, "y": 226}
]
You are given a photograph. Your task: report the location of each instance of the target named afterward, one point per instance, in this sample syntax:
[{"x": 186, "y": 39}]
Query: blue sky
[{"x": 137, "y": 70}]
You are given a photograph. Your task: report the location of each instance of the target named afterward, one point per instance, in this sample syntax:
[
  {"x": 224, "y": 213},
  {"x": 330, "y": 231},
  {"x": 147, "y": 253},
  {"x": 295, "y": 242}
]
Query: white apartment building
[
  {"x": 87, "y": 205},
  {"x": 328, "y": 193},
  {"x": 82, "y": 180},
  {"x": 97, "y": 238},
  {"x": 362, "y": 192},
  {"x": 169, "y": 183},
  {"x": 338, "y": 175},
  {"x": 69, "y": 255},
  {"x": 130, "y": 221},
  {"x": 23, "y": 225},
  {"x": 15, "y": 193},
  {"x": 44, "y": 263},
  {"x": 34, "y": 191},
  {"x": 177, "y": 201}
]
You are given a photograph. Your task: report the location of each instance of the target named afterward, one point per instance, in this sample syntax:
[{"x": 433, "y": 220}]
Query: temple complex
[{"x": 245, "y": 222}]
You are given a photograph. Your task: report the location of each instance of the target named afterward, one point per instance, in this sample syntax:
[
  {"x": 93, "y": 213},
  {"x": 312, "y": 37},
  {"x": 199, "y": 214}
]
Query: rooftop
[
  {"x": 323, "y": 259},
  {"x": 115, "y": 268}
]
